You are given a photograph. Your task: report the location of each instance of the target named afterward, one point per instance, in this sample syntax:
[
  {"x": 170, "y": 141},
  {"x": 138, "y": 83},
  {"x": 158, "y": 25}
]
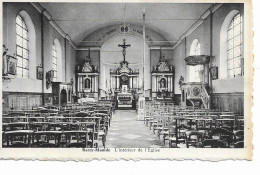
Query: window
[
  {"x": 22, "y": 49},
  {"x": 54, "y": 61},
  {"x": 195, "y": 70},
  {"x": 234, "y": 47}
]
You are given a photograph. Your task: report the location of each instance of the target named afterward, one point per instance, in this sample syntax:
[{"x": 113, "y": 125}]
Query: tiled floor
[{"x": 126, "y": 132}]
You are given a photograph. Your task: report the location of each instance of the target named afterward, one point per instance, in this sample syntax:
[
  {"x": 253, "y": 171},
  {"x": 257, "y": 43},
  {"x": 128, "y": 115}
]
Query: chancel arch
[
  {"x": 104, "y": 34},
  {"x": 111, "y": 56}
]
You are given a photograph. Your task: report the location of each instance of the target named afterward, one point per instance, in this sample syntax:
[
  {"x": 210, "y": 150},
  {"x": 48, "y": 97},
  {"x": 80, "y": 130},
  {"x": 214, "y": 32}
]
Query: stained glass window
[
  {"x": 22, "y": 51},
  {"x": 195, "y": 70},
  {"x": 54, "y": 61},
  {"x": 234, "y": 49}
]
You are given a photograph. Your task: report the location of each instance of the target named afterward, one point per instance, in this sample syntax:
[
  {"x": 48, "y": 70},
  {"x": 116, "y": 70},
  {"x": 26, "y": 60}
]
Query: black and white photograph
[{"x": 127, "y": 77}]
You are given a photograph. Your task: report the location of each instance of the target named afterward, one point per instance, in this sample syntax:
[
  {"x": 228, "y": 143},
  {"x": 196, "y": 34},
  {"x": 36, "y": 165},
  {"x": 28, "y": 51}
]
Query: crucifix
[{"x": 124, "y": 46}]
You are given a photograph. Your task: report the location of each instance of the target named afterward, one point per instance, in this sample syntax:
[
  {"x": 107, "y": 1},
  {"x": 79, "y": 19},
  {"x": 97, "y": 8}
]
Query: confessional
[{"x": 62, "y": 93}]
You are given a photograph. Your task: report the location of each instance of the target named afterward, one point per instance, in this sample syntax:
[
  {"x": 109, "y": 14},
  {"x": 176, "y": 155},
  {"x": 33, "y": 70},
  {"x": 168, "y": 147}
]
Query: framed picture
[
  {"x": 214, "y": 72},
  {"x": 39, "y": 72},
  {"x": 11, "y": 65},
  {"x": 49, "y": 78}
]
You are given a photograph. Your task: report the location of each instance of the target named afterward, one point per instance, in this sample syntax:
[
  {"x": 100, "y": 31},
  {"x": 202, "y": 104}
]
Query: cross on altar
[{"x": 124, "y": 46}]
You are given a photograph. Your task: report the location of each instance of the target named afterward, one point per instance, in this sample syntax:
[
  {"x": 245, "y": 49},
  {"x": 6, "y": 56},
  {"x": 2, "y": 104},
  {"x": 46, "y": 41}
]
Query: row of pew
[
  {"x": 184, "y": 126},
  {"x": 77, "y": 126}
]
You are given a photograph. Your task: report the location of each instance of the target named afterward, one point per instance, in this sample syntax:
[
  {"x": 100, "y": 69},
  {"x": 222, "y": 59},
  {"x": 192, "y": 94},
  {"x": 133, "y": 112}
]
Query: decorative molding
[
  {"x": 88, "y": 48},
  {"x": 158, "y": 48},
  {"x": 210, "y": 10},
  {"x": 40, "y": 9},
  {"x": 115, "y": 64},
  {"x": 47, "y": 14}
]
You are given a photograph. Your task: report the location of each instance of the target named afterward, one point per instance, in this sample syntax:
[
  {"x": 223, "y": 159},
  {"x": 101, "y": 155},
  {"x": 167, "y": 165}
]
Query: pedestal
[{"x": 141, "y": 107}]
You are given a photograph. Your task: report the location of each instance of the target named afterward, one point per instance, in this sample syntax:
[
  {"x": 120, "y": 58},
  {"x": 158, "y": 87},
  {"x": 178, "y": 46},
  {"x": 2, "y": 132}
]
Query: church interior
[{"x": 123, "y": 75}]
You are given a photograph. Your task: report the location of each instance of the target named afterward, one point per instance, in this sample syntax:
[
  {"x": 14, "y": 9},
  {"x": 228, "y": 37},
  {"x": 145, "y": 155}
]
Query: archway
[{"x": 111, "y": 56}]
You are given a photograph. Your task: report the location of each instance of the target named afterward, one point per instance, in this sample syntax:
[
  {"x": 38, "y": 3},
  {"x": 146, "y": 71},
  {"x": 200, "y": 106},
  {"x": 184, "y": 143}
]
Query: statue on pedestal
[{"x": 181, "y": 81}]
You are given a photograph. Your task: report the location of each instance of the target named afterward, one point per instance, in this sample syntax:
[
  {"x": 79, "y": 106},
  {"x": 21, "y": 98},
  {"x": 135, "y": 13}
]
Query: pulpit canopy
[{"x": 197, "y": 59}]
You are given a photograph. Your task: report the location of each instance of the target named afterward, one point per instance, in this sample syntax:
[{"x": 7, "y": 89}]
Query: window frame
[
  {"x": 23, "y": 48},
  {"x": 230, "y": 28},
  {"x": 195, "y": 50},
  {"x": 54, "y": 65}
]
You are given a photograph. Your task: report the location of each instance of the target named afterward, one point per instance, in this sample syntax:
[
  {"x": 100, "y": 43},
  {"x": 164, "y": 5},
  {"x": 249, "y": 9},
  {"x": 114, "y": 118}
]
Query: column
[
  {"x": 206, "y": 73},
  {"x": 117, "y": 86},
  {"x": 78, "y": 84},
  {"x": 116, "y": 82},
  {"x": 131, "y": 83},
  {"x": 94, "y": 84}
]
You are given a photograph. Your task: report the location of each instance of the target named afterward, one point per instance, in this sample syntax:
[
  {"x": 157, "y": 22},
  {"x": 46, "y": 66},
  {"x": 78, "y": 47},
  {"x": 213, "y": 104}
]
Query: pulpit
[{"x": 197, "y": 92}]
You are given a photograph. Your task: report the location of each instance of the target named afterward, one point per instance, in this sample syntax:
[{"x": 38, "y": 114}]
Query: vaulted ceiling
[{"x": 79, "y": 20}]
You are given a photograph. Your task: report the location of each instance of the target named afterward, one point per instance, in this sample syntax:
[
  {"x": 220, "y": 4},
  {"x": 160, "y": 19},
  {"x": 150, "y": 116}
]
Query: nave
[
  {"x": 127, "y": 132},
  {"x": 93, "y": 125},
  {"x": 178, "y": 67}
]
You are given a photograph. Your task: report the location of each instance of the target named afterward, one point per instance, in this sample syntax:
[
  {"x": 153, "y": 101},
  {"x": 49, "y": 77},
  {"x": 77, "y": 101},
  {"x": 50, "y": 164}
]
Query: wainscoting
[
  {"x": 20, "y": 100},
  {"x": 228, "y": 102}
]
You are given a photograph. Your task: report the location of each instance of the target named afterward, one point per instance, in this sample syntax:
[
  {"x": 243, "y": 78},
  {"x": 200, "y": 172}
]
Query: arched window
[
  {"x": 231, "y": 46},
  {"x": 234, "y": 47},
  {"x": 22, "y": 48},
  {"x": 195, "y": 70},
  {"x": 56, "y": 60}
]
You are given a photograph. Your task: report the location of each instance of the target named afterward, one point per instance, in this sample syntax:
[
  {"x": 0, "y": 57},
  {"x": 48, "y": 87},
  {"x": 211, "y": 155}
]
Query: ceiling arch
[
  {"x": 79, "y": 20},
  {"x": 100, "y": 36}
]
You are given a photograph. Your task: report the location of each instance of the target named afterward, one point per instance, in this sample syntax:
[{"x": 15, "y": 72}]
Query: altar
[
  {"x": 124, "y": 98},
  {"x": 163, "y": 80},
  {"x": 124, "y": 82}
]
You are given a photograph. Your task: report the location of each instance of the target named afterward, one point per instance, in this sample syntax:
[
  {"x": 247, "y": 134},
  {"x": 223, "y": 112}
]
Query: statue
[
  {"x": 181, "y": 81},
  {"x": 162, "y": 83}
]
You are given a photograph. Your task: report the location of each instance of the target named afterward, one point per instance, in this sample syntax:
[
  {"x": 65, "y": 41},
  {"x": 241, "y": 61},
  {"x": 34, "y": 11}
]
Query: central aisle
[{"x": 126, "y": 132}]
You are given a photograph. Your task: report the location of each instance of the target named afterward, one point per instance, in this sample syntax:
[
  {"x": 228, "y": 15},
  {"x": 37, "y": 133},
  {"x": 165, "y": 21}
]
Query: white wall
[{"x": 111, "y": 55}]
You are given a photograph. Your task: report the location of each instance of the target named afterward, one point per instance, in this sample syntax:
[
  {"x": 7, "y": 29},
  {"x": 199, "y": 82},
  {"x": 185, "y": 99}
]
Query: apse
[{"x": 111, "y": 56}]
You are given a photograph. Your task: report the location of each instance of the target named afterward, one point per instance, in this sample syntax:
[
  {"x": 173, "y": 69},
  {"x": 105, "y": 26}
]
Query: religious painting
[
  {"x": 214, "y": 73},
  {"x": 87, "y": 83},
  {"x": 11, "y": 65},
  {"x": 49, "y": 78},
  {"x": 39, "y": 72},
  {"x": 124, "y": 79},
  {"x": 162, "y": 83}
]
